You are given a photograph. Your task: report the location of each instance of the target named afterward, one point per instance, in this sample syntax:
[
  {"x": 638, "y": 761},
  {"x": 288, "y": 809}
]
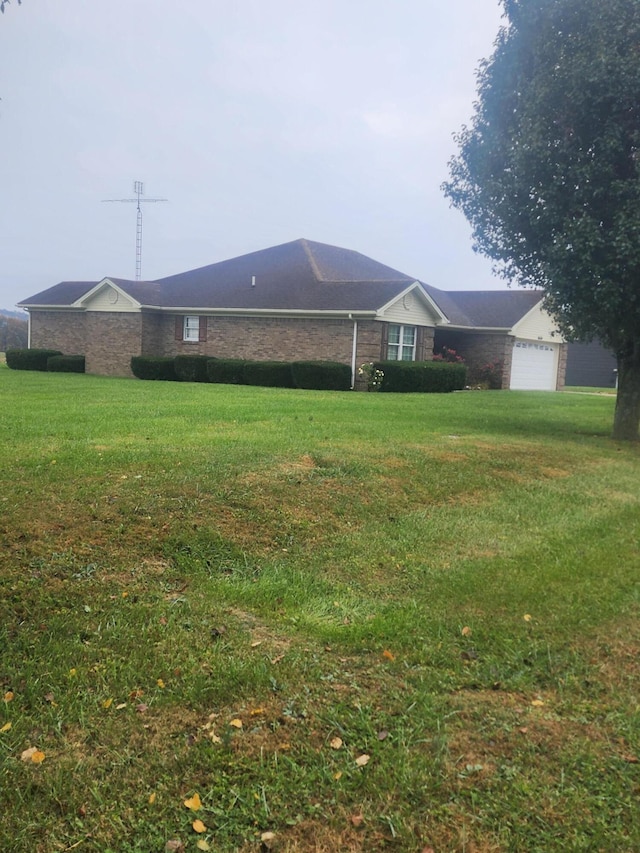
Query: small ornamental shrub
[
  {"x": 449, "y": 355},
  {"x": 427, "y": 377},
  {"x": 489, "y": 375},
  {"x": 321, "y": 375},
  {"x": 154, "y": 367},
  {"x": 191, "y": 368},
  {"x": 372, "y": 375},
  {"x": 273, "y": 374},
  {"x": 65, "y": 363},
  {"x": 30, "y": 359},
  {"x": 227, "y": 371}
]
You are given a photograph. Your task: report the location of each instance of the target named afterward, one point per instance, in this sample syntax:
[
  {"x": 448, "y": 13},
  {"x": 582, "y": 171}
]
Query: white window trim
[
  {"x": 191, "y": 332},
  {"x": 401, "y": 344}
]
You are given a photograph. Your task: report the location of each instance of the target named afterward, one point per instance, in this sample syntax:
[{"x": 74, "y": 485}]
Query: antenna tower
[{"x": 138, "y": 189}]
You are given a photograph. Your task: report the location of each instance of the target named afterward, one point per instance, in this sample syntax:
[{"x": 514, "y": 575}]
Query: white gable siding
[
  {"x": 410, "y": 310},
  {"x": 110, "y": 299},
  {"x": 537, "y": 325}
]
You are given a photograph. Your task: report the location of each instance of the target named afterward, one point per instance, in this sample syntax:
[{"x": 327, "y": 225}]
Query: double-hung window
[
  {"x": 191, "y": 329},
  {"x": 401, "y": 343}
]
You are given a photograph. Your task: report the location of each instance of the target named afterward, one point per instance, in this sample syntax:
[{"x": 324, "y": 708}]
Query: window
[
  {"x": 401, "y": 345},
  {"x": 191, "y": 329}
]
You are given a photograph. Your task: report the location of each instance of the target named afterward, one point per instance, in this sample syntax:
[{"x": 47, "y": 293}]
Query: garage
[{"x": 534, "y": 366}]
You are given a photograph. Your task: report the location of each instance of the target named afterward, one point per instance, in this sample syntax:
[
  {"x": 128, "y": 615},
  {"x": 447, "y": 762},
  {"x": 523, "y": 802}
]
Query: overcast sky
[{"x": 261, "y": 121}]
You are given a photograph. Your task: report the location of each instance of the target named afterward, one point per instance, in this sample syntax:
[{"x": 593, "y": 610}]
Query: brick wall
[
  {"x": 478, "y": 349},
  {"x": 60, "y": 330},
  {"x": 112, "y": 338},
  {"x": 265, "y": 338}
]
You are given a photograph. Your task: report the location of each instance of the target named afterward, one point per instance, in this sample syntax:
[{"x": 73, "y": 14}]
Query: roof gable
[{"x": 108, "y": 295}]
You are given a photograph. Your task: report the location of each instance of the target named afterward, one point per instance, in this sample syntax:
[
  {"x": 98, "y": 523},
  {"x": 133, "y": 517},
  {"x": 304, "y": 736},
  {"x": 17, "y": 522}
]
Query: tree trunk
[{"x": 626, "y": 420}]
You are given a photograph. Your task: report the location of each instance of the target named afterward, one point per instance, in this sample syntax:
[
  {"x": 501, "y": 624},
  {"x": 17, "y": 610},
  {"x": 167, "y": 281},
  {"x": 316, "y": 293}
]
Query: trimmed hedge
[
  {"x": 154, "y": 367},
  {"x": 321, "y": 375},
  {"x": 427, "y": 377},
  {"x": 30, "y": 359},
  {"x": 274, "y": 374},
  {"x": 227, "y": 371},
  {"x": 191, "y": 368},
  {"x": 65, "y": 363}
]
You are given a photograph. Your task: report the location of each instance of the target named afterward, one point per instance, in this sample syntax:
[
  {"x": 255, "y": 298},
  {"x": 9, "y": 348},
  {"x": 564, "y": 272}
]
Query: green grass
[{"x": 446, "y": 583}]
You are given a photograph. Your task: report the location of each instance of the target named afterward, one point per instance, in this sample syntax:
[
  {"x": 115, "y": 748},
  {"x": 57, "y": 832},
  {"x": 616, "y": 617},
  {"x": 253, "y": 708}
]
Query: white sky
[{"x": 261, "y": 121}]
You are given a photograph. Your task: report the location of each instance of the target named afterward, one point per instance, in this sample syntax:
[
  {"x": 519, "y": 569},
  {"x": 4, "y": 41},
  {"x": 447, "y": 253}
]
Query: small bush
[
  {"x": 427, "y": 377},
  {"x": 191, "y": 368},
  {"x": 488, "y": 375},
  {"x": 274, "y": 374},
  {"x": 321, "y": 375},
  {"x": 65, "y": 363},
  {"x": 30, "y": 359},
  {"x": 227, "y": 371},
  {"x": 154, "y": 367}
]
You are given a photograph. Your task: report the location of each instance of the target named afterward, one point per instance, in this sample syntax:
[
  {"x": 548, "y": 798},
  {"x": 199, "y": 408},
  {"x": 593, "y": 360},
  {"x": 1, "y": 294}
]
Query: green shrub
[
  {"x": 227, "y": 371},
  {"x": 423, "y": 376},
  {"x": 321, "y": 375},
  {"x": 154, "y": 367},
  {"x": 191, "y": 368},
  {"x": 29, "y": 359},
  {"x": 65, "y": 363},
  {"x": 274, "y": 374}
]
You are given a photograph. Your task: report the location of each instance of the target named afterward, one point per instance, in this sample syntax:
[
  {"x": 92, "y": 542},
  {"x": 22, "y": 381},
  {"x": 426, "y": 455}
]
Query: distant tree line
[{"x": 13, "y": 333}]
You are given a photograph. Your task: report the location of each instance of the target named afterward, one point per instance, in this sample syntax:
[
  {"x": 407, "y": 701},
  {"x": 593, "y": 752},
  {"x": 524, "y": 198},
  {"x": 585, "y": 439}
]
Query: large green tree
[{"x": 548, "y": 171}]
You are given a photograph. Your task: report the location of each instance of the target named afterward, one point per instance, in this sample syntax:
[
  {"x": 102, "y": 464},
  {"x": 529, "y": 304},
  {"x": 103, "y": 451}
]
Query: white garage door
[{"x": 534, "y": 366}]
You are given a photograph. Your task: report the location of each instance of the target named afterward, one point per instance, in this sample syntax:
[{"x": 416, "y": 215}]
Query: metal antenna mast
[{"x": 138, "y": 188}]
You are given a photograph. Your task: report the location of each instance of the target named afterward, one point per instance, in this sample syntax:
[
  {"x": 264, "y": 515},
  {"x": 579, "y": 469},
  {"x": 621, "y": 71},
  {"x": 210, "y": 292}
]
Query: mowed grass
[{"x": 354, "y": 622}]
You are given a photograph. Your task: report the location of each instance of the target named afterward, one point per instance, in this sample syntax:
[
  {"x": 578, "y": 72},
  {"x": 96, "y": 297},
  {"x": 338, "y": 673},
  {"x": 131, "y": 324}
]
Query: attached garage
[{"x": 534, "y": 366}]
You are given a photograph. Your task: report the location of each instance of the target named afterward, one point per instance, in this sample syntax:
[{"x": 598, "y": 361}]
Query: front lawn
[{"x": 243, "y": 619}]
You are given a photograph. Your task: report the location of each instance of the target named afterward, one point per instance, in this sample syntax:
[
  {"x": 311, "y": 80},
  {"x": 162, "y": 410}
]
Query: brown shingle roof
[{"x": 302, "y": 276}]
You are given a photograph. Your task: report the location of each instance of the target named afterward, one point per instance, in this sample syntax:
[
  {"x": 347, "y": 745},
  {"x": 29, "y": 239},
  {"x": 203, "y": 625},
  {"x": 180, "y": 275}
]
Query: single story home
[{"x": 297, "y": 301}]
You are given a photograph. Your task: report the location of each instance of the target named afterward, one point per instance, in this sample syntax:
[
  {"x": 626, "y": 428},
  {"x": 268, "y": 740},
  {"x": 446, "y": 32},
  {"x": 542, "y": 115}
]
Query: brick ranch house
[{"x": 297, "y": 301}]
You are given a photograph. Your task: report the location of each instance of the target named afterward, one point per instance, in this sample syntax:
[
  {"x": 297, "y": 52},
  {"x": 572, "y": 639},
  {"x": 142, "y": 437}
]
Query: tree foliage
[
  {"x": 548, "y": 171},
  {"x": 4, "y": 3}
]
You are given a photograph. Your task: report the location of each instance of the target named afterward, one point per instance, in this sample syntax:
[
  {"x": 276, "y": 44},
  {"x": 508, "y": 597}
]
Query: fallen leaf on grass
[
  {"x": 152, "y": 798},
  {"x": 630, "y": 759},
  {"x": 383, "y": 735},
  {"x": 388, "y": 655},
  {"x": 356, "y": 819},
  {"x": 466, "y": 631},
  {"x": 198, "y": 826},
  {"x": 6, "y": 727},
  {"x": 335, "y": 743},
  {"x": 237, "y": 723},
  {"x": 201, "y": 844},
  {"x": 121, "y": 706},
  {"x": 362, "y": 760},
  {"x": 194, "y": 803},
  {"x": 107, "y": 703},
  {"x": 161, "y": 684},
  {"x": 277, "y": 659},
  {"x": 256, "y": 643},
  {"x": 527, "y": 617},
  {"x": 174, "y": 846},
  {"x": 255, "y": 712},
  {"x": 142, "y": 708},
  {"x": 50, "y": 698},
  {"x": 33, "y": 754},
  {"x": 337, "y": 776},
  {"x": 537, "y": 703},
  {"x": 8, "y": 696}
]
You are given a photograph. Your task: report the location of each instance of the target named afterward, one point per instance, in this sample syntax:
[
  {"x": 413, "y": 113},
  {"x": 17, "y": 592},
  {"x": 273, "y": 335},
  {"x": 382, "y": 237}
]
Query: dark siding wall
[{"x": 591, "y": 365}]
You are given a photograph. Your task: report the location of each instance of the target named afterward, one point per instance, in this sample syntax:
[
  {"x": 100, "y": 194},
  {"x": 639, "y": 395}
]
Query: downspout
[
  {"x": 29, "y": 330},
  {"x": 354, "y": 351}
]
